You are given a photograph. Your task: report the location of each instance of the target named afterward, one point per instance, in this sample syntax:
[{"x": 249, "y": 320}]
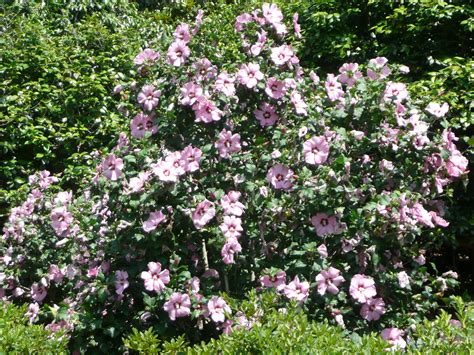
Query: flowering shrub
[{"x": 237, "y": 176}]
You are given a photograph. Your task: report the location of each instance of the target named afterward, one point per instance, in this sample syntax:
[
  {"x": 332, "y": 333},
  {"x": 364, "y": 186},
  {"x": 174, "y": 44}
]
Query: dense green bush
[
  {"x": 59, "y": 64},
  {"x": 17, "y": 336},
  {"x": 289, "y": 331}
]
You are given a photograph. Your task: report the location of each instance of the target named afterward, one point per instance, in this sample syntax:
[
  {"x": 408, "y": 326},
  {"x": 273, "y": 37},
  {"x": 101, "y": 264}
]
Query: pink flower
[
  {"x": 148, "y": 97},
  {"x": 177, "y": 162},
  {"x": 204, "y": 69},
  {"x": 422, "y": 215},
  {"x": 333, "y": 88},
  {"x": 178, "y": 52},
  {"x": 216, "y": 309},
  {"x": 121, "y": 281},
  {"x": 298, "y": 103},
  {"x": 231, "y": 205},
  {"x": 256, "y": 48},
  {"x": 38, "y": 292},
  {"x": 362, "y": 288},
  {"x": 241, "y": 20},
  {"x": 373, "y": 309},
  {"x": 349, "y": 74},
  {"x": 153, "y": 221},
  {"x": 136, "y": 183},
  {"x": 280, "y": 177},
  {"x": 438, "y": 220},
  {"x": 228, "y": 143},
  {"x": 62, "y": 198},
  {"x": 325, "y": 224},
  {"x": 154, "y": 278},
  {"x": 396, "y": 92},
  {"x": 296, "y": 25},
  {"x": 190, "y": 92},
  {"x": 32, "y": 313},
  {"x": 403, "y": 279},
  {"x": 231, "y": 247},
  {"x": 272, "y": 14},
  {"x": 266, "y": 115},
  {"x": 203, "y": 213},
  {"x": 178, "y": 306},
  {"x": 329, "y": 280},
  {"x": 297, "y": 290},
  {"x": 323, "y": 251},
  {"x": 141, "y": 124},
  {"x": 316, "y": 150},
  {"x": 249, "y": 75},
  {"x": 61, "y": 219},
  {"x": 191, "y": 157},
  {"x": 165, "y": 171},
  {"x": 437, "y": 110},
  {"x": 182, "y": 33},
  {"x": 112, "y": 167},
  {"x": 147, "y": 57},
  {"x": 55, "y": 274},
  {"x": 225, "y": 84},
  {"x": 378, "y": 68},
  {"x": 206, "y": 111},
  {"x": 394, "y": 338},
  {"x": 232, "y": 227},
  {"x": 456, "y": 164},
  {"x": 276, "y": 89},
  {"x": 281, "y": 55},
  {"x": 385, "y": 165},
  {"x": 277, "y": 281}
]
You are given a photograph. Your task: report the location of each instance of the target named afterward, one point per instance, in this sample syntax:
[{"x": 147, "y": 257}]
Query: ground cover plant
[{"x": 254, "y": 173}]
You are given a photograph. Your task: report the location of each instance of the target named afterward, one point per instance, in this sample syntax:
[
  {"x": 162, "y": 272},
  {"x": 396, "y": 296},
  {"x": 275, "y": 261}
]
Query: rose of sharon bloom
[
  {"x": 191, "y": 157},
  {"x": 232, "y": 227},
  {"x": 323, "y": 251},
  {"x": 349, "y": 74},
  {"x": 272, "y": 13},
  {"x": 403, "y": 279},
  {"x": 38, "y": 292},
  {"x": 178, "y": 52},
  {"x": 231, "y": 205},
  {"x": 281, "y": 55},
  {"x": 241, "y": 20},
  {"x": 333, "y": 88},
  {"x": 206, "y": 111},
  {"x": 266, "y": 115},
  {"x": 297, "y": 290},
  {"x": 396, "y": 92},
  {"x": 373, "y": 309},
  {"x": 148, "y": 97},
  {"x": 437, "y": 110},
  {"x": 329, "y": 280},
  {"x": 249, "y": 75},
  {"x": 325, "y": 224},
  {"x": 203, "y": 213},
  {"x": 394, "y": 338},
  {"x": 225, "y": 84},
  {"x": 456, "y": 164},
  {"x": 228, "y": 143},
  {"x": 182, "y": 33},
  {"x": 276, "y": 89},
  {"x": 178, "y": 305},
  {"x": 190, "y": 92},
  {"x": 316, "y": 150},
  {"x": 153, "y": 221},
  {"x": 32, "y": 313},
  {"x": 204, "y": 69},
  {"x": 61, "y": 219},
  {"x": 147, "y": 57},
  {"x": 141, "y": 124},
  {"x": 165, "y": 171},
  {"x": 277, "y": 281},
  {"x": 280, "y": 177},
  {"x": 362, "y": 288},
  {"x": 177, "y": 162},
  {"x": 298, "y": 103},
  {"x": 112, "y": 167},
  {"x": 155, "y": 279},
  {"x": 136, "y": 183},
  {"x": 216, "y": 309},
  {"x": 121, "y": 281},
  {"x": 231, "y": 247}
]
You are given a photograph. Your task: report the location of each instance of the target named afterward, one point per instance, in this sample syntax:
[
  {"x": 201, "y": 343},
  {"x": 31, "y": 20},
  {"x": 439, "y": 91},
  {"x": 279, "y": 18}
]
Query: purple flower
[
  {"x": 146, "y": 57},
  {"x": 178, "y": 53},
  {"x": 153, "y": 221},
  {"x": 141, "y": 124},
  {"x": 373, "y": 309},
  {"x": 155, "y": 279},
  {"x": 216, "y": 309},
  {"x": 178, "y": 306},
  {"x": 148, "y": 97}
]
